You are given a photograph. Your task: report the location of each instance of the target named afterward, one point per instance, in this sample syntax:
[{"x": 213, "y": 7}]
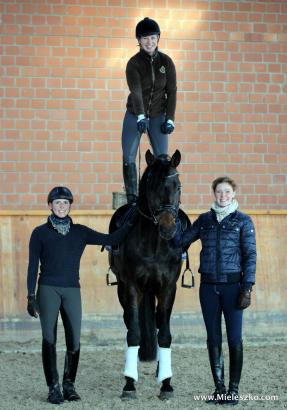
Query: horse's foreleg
[
  {"x": 163, "y": 313},
  {"x": 131, "y": 362},
  {"x": 164, "y": 374},
  {"x": 129, "y": 390},
  {"x": 164, "y": 364},
  {"x": 128, "y": 299},
  {"x": 130, "y": 372},
  {"x": 166, "y": 390}
]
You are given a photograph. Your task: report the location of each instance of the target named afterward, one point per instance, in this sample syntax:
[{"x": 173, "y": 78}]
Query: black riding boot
[
  {"x": 217, "y": 369},
  {"x": 235, "y": 367},
  {"x": 70, "y": 371},
  {"x": 49, "y": 359},
  {"x": 130, "y": 180}
]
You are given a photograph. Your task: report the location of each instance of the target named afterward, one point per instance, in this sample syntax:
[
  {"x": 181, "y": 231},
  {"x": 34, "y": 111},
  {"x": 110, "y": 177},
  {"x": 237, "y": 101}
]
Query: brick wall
[{"x": 63, "y": 93}]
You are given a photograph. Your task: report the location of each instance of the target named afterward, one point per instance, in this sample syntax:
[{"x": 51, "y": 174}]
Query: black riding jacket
[
  {"x": 152, "y": 84},
  {"x": 228, "y": 248}
]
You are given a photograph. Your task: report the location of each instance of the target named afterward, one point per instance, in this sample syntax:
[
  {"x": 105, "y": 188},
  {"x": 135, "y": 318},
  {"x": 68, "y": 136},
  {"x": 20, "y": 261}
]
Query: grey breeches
[
  {"x": 67, "y": 301},
  {"x": 131, "y": 137}
]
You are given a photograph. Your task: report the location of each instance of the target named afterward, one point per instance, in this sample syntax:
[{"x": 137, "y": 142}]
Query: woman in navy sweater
[
  {"x": 58, "y": 245},
  {"x": 227, "y": 268}
]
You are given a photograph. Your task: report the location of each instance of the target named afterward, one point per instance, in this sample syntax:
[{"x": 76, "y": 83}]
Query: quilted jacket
[{"x": 228, "y": 251}]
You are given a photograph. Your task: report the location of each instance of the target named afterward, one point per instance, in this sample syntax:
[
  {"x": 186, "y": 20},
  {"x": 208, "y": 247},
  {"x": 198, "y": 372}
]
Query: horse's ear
[
  {"x": 149, "y": 157},
  {"x": 175, "y": 159}
]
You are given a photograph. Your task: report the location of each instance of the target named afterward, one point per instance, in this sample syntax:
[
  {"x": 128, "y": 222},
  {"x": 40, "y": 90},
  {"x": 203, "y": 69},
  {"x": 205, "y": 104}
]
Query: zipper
[
  {"x": 152, "y": 88},
  {"x": 217, "y": 248}
]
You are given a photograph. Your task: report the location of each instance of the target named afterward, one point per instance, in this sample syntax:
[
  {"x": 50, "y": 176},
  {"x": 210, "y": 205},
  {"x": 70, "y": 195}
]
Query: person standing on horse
[
  {"x": 151, "y": 78},
  {"x": 227, "y": 268},
  {"x": 58, "y": 245}
]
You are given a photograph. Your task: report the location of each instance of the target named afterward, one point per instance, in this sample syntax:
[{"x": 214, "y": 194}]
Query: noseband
[{"x": 154, "y": 215}]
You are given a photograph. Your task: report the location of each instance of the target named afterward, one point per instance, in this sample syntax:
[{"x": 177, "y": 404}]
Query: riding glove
[
  {"x": 244, "y": 299},
  {"x": 32, "y": 306},
  {"x": 167, "y": 127},
  {"x": 142, "y": 124}
]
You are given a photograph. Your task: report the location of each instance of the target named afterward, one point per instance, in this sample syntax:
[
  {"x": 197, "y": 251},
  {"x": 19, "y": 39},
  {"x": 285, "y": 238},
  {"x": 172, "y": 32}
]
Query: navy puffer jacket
[{"x": 228, "y": 248}]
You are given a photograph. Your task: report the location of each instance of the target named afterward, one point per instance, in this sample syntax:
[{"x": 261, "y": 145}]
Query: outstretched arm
[
  {"x": 186, "y": 238},
  {"x": 97, "y": 238}
]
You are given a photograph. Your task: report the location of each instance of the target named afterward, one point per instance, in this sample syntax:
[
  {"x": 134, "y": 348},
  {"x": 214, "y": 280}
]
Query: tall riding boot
[
  {"x": 130, "y": 180},
  {"x": 235, "y": 367},
  {"x": 49, "y": 359},
  {"x": 217, "y": 369},
  {"x": 70, "y": 371}
]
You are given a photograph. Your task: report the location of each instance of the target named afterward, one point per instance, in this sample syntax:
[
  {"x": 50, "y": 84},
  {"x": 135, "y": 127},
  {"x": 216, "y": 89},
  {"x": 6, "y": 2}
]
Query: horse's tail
[{"x": 148, "y": 344}]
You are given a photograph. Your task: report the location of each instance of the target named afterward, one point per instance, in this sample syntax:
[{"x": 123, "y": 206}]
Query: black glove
[
  {"x": 167, "y": 127},
  {"x": 32, "y": 306},
  {"x": 142, "y": 125},
  {"x": 244, "y": 299}
]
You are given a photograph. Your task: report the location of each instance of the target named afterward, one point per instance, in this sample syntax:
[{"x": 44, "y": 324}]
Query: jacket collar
[
  {"x": 148, "y": 56},
  {"x": 230, "y": 216}
]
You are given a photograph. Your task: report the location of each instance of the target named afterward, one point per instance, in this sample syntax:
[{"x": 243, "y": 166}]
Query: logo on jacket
[{"x": 162, "y": 69}]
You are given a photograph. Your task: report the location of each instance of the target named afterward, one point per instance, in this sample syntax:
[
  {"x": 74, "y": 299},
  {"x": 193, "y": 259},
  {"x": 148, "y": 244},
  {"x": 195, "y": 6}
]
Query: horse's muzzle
[{"x": 167, "y": 225}]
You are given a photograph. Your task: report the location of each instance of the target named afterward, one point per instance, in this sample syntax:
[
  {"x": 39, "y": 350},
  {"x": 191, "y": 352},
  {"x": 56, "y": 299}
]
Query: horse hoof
[
  {"x": 165, "y": 395},
  {"x": 129, "y": 395}
]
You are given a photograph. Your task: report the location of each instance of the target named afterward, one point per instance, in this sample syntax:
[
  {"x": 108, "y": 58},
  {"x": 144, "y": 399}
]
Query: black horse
[{"x": 147, "y": 266}]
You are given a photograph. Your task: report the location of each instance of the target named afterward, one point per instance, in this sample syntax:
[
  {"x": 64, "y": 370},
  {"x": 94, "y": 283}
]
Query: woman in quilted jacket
[{"x": 227, "y": 268}]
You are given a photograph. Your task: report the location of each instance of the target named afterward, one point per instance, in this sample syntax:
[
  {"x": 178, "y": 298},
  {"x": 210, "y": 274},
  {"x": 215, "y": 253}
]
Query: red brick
[{"x": 65, "y": 79}]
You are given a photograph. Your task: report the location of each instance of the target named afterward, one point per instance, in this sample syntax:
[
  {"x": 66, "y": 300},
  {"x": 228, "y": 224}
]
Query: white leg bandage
[
  {"x": 157, "y": 353},
  {"x": 131, "y": 364},
  {"x": 164, "y": 357}
]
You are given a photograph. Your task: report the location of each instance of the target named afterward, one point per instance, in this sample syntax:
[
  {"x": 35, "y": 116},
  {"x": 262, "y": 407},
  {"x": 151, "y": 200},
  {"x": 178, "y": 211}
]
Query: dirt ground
[{"x": 100, "y": 379}]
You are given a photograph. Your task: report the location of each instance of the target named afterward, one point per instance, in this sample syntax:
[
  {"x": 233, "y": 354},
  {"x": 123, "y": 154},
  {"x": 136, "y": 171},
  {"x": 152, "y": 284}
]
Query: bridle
[{"x": 170, "y": 208}]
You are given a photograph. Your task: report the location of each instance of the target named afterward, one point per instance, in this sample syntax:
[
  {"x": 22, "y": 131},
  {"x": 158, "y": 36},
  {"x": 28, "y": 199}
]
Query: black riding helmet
[
  {"x": 60, "y": 192},
  {"x": 147, "y": 27}
]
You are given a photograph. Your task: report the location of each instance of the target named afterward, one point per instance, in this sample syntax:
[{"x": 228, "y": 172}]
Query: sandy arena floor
[{"x": 100, "y": 379}]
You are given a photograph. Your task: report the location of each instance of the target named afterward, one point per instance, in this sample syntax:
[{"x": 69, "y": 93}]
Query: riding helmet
[
  {"x": 60, "y": 192},
  {"x": 147, "y": 27}
]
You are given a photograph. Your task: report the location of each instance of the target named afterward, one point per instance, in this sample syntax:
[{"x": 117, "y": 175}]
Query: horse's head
[{"x": 159, "y": 192}]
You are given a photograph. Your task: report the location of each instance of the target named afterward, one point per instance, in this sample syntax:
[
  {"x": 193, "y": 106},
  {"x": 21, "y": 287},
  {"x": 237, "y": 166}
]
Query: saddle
[
  {"x": 184, "y": 220},
  {"x": 121, "y": 216}
]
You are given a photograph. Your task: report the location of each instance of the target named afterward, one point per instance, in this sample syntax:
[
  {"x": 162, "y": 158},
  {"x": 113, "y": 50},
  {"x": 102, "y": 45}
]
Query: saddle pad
[
  {"x": 184, "y": 220},
  {"x": 119, "y": 217}
]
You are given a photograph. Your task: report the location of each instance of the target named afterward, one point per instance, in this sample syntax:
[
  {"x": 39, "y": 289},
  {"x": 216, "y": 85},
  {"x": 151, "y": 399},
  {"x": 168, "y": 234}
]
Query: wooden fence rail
[{"x": 16, "y": 226}]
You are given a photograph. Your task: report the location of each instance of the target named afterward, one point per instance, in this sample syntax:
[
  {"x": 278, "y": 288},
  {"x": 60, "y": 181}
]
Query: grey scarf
[
  {"x": 61, "y": 225},
  {"x": 222, "y": 212}
]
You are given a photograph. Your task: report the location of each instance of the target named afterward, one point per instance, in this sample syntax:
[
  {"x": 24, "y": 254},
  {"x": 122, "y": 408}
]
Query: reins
[{"x": 151, "y": 218}]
